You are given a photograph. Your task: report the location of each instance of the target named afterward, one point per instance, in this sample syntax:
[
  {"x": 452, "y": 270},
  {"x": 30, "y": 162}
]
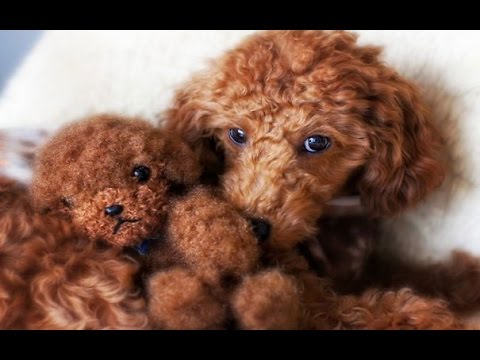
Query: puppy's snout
[
  {"x": 113, "y": 210},
  {"x": 261, "y": 228}
]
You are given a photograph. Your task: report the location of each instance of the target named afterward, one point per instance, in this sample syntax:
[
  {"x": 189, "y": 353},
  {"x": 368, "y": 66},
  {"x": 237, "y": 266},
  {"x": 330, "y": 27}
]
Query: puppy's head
[
  {"x": 111, "y": 176},
  {"x": 298, "y": 115}
]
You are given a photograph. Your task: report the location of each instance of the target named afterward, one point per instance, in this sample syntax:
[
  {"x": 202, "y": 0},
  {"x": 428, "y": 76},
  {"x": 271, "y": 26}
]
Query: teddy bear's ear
[
  {"x": 47, "y": 186},
  {"x": 58, "y": 206},
  {"x": 181, "y": 163}
]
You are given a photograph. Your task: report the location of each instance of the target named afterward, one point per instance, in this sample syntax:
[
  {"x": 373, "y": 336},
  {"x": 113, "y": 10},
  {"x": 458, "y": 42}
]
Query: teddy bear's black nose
[
  {"x": 113, "y": 210},
  {"x": 261, "y": 228}
]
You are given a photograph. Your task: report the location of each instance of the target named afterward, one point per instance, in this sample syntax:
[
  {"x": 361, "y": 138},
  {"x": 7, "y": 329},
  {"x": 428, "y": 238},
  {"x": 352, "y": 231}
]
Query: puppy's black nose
[
  {"x": 113, "y": 210},
  {"x": 261, "y": 228}
]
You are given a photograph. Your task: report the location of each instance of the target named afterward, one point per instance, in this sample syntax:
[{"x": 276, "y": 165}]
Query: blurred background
[{"x": 14, "y": 45}]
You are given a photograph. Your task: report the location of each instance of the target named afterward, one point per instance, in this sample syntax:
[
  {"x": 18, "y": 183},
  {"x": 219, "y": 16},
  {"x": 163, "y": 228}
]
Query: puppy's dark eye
[
  {"x": 316, "y": 143},
  {"x": 238, "y": 136},
  {"x": 142, "y": 173}
]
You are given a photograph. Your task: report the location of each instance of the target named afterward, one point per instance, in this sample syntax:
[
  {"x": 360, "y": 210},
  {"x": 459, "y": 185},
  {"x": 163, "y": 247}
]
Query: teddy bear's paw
[
  {"x": 269, "y": 300},
  {"x": 178, "y": 300}
]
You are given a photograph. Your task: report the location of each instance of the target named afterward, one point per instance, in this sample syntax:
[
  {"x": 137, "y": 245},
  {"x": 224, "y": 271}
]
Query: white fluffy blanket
[{"x": 70, "y": 74}]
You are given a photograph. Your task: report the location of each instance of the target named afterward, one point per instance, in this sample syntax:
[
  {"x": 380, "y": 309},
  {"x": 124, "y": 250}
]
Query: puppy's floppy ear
[
  {"x": 405, "y": 148},
  {"x": 181, "y": 164}
]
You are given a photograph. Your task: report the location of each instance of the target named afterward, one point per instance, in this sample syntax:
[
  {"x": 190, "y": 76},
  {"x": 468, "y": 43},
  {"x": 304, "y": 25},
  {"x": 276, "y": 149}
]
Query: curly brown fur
[
  {"x": 231, "y": 249},
  {"x": 280, "y": 87},
  {"x": 50, "y": 278}
]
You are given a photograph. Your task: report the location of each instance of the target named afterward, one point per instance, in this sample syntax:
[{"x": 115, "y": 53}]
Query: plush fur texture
[{"x": 326, "y": 308}]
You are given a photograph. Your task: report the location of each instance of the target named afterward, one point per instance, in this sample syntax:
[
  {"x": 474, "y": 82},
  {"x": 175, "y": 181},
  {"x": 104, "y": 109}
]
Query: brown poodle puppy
[
  {"x": 293, "y": 119},
  {"x": 114, "y": 182},
  {"x": 300, "y": 113}
]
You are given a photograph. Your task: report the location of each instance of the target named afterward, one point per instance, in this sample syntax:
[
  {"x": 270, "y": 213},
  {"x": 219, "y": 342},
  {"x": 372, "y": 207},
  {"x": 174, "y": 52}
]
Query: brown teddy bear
[{"x": 118, "y": 181}]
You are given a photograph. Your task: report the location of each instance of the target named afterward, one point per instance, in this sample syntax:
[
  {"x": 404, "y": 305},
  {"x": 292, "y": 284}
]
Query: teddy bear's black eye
[{"x": 142, "y": 173}]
